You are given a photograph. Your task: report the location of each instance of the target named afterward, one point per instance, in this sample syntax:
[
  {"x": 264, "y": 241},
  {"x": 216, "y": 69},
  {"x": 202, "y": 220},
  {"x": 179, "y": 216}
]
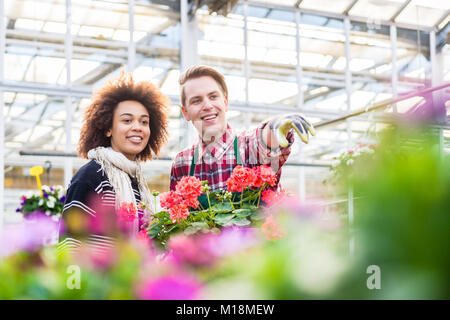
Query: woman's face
[{"x": 130, "y": 129}]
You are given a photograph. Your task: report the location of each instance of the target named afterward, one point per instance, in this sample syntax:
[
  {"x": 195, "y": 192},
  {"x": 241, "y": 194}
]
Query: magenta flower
[
  {"x": 230, "y": 241},
  {"x": 27, "y": 235},
  {"x": 205, "y": 249},
  {"x": 171, "y": 287},
  {"x": 190, "y": 250}
]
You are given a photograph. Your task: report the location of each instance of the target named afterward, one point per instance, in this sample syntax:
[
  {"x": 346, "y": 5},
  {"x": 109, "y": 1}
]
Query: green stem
[
  {"x": 259, "y": 198},
  {"x": 209, "y": 203},
  {"x": 231, "y": 204}
]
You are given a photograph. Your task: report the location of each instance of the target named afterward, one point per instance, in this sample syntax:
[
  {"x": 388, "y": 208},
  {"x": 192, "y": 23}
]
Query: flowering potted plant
[
  {"x": 343, "y": 165},
  {"x": 49, "y": 201},
  {"x": 238, "y": 205}
]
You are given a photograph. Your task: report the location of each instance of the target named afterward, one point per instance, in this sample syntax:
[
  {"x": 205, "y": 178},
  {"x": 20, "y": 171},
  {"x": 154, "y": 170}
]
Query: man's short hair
[{"x": 198, "y": 71}]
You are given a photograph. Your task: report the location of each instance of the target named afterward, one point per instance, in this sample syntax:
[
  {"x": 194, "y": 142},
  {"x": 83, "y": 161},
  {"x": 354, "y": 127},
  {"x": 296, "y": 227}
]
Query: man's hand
[{"x": 281, "y": 126}]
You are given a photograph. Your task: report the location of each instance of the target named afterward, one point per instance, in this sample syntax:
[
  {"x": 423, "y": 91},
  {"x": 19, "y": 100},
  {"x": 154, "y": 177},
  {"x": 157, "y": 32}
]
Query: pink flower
[
  {"x": 171, "y": 287},
  {"x": 192, "y": 202},
  {"x": 271, "y": 197},
  {"x": 234, "y": 186},
  {"x": 169, "y": 199},
  {"x": 258, "y": 182},
  {"x": 98, "y": 260},
  {"x": 190, "y": 249},
  {"x": 241, "y": 177},
  {"x": 25, "y": 235},
  {"x": 189, "y": 187},
  {"x": 271, "y": 229},
  {"x": 127, "y": 212},
  {"x": 142, "y": 235},
  {"x": 268, "y": 176},
  {"x": 179, "y": 212}
]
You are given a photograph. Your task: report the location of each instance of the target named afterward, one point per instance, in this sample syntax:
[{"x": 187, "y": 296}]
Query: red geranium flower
[
  {"x": 269, "y": 197},
  {"x": 272, "y": 229},
  {"x": 179, "y": 212},
  {"x": 169, "y": 199},
  {"x": 258, "y": 182},
  {"x": 127, "y": 211},
  {"x": 189, "y": 187},
  {"x": 234, "y": 186},
  {"x": 241, "y": 177},
  {"x": 192, "y": 202},
  {"x": 267, "y": 175}
]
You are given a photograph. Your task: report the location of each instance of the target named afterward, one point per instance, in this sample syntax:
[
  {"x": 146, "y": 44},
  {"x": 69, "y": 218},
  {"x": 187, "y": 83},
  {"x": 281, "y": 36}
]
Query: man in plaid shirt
[{"x": 204, "y": 100}]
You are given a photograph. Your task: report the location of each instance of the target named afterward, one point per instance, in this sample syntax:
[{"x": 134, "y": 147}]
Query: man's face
[{"x": 206, "y": 107}]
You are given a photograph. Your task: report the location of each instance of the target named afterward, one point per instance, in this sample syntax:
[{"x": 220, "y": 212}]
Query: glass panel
[
  {"x": 279, "y": 2},
  {"x": 423, "y": 12},
  {"x": 225, "y": 53},
  {"x": 373, "y": 10},
  {"x": 273, "y": 59},
  {"x": 414, "y": 62},
  {"x": 326, "y": 5},
  {"x": 322, "y": 53}
]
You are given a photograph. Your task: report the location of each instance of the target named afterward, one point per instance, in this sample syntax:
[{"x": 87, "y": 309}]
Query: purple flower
[
  {"x": 230, "y": 241},
  {"x": 205, "y": 249},
  {"x": 63, "y": 198},
  {"x": 45, "y": 194},
  {"x": 18, "y": 209},
  {"x": 28, "y": 235},
  {"x": 170, "y": 287}
]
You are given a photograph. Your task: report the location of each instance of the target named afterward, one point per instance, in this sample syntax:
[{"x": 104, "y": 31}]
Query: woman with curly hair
[{"x": 125, "y": 124}]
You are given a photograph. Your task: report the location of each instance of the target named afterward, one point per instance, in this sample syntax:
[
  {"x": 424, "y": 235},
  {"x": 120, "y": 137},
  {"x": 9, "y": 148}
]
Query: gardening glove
[{"x": 282, "y": 125}]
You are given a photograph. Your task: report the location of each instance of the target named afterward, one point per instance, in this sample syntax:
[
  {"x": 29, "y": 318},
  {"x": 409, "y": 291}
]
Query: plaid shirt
[{"x": 217, "y": 160}]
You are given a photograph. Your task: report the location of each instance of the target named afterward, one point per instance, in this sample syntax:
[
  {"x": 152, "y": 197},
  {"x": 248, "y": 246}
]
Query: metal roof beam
[
  {"x": 399, "y": 11},
  {"x": 349, "y": 7}
]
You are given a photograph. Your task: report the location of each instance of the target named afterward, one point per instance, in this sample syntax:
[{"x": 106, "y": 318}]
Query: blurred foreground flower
[
  {"x": 27, "y": 235},
  {"x": 171, "y": 287}
]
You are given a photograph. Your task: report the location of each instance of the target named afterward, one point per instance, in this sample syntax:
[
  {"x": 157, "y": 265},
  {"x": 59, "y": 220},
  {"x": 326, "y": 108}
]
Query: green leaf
[
  {"x": 195, "y": 227},
  {"x": 249, "y": 206},
  {"x": 190, "y": 230},
  {"x": 162, "y": 214},
  {"x": 243, "y": 212},
  {"x": 154, "y": 230},
  {"x": 240, "y": 221},
  {"x": 224, "y": 219},
  {"x": 257, "y": 216},
  {"x": 222, "y": 207},
  {"x": 171, "y": 228}
]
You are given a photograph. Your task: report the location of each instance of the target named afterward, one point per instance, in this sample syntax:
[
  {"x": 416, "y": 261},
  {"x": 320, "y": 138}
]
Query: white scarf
[{"x": 119, "y": 169}]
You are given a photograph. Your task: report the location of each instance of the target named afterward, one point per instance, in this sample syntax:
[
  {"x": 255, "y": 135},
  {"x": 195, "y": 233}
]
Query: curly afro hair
[{"x": 98, "y": 116}]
